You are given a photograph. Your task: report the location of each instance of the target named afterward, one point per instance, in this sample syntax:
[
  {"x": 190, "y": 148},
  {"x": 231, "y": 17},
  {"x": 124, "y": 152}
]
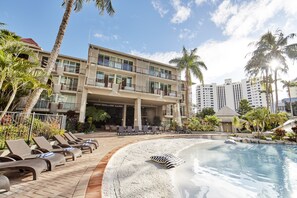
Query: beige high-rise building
[{"x": 134, "y": 91}]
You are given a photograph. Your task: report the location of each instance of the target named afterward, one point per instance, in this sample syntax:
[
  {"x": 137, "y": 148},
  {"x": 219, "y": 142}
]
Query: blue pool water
[{"x": 215, "y": 169}]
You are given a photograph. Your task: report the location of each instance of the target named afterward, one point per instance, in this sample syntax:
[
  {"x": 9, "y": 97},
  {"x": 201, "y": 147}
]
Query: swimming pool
[{"x": 215, "y": 169}]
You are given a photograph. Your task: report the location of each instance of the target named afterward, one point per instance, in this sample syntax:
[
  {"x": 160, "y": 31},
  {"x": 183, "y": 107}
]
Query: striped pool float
[{"x": 169, "y": 160}]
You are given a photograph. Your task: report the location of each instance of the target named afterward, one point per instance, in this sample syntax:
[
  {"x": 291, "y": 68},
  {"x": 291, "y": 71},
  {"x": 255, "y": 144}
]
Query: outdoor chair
[
  {"x": 63, "y": 143},
  {"x": 145, "y": 129},
  {"x": 130, "y": 130},
  {"x": 45, "y": 146},
  {"x": 35, "y": 166},
  {"x": 121, "y": 130},
  {"x": 83, "y": 140},
  {"x": 137, "y": 131},
  {"x": 71, "y": 139},
  {"x": 155, "y": 130},
  {"x": 19, "y": 150}
]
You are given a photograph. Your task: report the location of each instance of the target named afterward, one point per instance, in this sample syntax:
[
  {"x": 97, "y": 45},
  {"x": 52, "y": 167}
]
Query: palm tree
[
  {"x": 274, "y": 48},
  {"x": 192, "y": 64},
  {"x": 288, "y": 84},
  {"x": 76, "y": 5},
  {"x": 16, "y": 72}
]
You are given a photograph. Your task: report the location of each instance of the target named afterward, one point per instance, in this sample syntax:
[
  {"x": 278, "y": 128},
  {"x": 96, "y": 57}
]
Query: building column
[
  {"x": 137, "y": 113},
  {"x": 177, "y": 115},
  {"x": 124, "y": 115},
  {"x": 83, "y": 104}
]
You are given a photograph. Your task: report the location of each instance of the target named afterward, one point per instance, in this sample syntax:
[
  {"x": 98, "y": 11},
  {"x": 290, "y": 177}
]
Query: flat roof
[{"x": 131, "y": 56}]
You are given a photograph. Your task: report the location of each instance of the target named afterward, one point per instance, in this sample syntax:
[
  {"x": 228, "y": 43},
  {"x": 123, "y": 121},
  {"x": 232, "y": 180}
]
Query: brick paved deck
[{"x": 80, "y": 178}]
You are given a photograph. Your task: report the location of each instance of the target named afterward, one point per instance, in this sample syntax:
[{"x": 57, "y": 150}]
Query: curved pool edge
[{"x": 94, "y": 187}]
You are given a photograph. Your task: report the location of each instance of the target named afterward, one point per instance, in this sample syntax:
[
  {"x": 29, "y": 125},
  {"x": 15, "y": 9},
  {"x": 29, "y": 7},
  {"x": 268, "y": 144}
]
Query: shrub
[{"x": 279, "y": 133}]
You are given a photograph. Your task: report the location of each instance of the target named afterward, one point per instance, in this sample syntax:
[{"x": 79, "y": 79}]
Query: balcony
[
  {"x": 137, "y": 69},
  {"x": 71, "y": 69},
  {"x": 68, "y": 106},
  {"x": 66, "y": 87},
  {"x": 42, "y": 104}
]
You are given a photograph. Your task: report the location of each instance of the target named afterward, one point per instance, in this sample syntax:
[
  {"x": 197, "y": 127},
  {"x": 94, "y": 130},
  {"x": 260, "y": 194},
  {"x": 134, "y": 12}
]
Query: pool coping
[{"x": 94, "y": 188}]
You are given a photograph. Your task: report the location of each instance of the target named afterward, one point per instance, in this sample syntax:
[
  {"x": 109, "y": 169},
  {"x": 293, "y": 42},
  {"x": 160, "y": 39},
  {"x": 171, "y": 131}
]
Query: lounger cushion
[{"x": 169, "y": 160}]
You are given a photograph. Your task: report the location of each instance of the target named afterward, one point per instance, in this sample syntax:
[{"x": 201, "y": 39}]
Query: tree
[
  {"x": 207, "y": 111},
  {"x": 244, "y": 107},
  {"x": 102, "y": 5},
  {"x": 288, "y": 84},
  {"x": 97, "y": 114},
  {"x": 192, "y": 64},
  {"x": 272, "y": 51},
  {"x": 16, "y": 72},
  {"x": 258, "y": 118}
]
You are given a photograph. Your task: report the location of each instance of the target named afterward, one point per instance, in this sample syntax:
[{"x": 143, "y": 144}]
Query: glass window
[
  {"x": 44, "y": 61},
  {"x": 129, "y": 82},
  {"x": 110, "y": 78},
  {"x": 106, "y": 61},
  {"x": 118, "y": 79},
  {"x": 100, "y": 59},
  {"x": 99, "y": 77}
]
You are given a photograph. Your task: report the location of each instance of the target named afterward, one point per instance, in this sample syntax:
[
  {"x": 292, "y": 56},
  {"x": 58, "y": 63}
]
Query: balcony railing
[
  {"x": 42, "y": 104},
  {"x": 130, "y": 87},
  {"x": 71, "y": 69},
  {"x": 69, "y": 87},
  {"x": 68, "y": 106},
  {"x": 138, "y": 69}
]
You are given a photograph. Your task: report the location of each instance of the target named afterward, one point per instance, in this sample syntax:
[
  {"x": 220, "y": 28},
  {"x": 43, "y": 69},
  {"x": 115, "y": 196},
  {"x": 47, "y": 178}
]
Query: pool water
[{"x": 215, "y": 169}]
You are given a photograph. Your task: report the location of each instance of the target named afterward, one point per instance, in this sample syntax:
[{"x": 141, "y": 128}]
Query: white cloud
[
  {"x": 187, "y": 34},
  {"x": 200, "y": 2},
  {"x": 159, "y": 7},
  {"x": 163, "y": 57},
  {"x": 182, "y": 13},
  {"x": 104, "y": 37},
  {"x": 249, "y": 17}
]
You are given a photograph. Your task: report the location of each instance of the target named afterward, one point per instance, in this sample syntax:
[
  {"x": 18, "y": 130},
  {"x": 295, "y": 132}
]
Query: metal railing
[
  {"x": 42, "y": 104},
  {"x": 68, "y": 87},
  {"x": 68, "y": 106},
  {"x": 14, "y": 125},
  {"x": 138, "y": 69},
  {"x": 71, "y": 69}
]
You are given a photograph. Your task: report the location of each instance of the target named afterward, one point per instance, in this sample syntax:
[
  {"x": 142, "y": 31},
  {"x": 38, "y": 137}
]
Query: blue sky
[{"x": 157, "y": 29}]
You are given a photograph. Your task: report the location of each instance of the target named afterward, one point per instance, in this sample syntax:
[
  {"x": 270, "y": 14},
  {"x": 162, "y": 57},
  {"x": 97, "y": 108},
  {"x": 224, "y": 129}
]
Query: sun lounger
[
  {"x": 84, "y": 140},
  {"x": 63, "y": 143},
  {"x": 19, "y": 150},
  {"x": 4, "y": 183},
  {"x": 130, "y": 130},
  {"x": 45, "y": 146},
  {"x": 71, "y": 139},
  {"x": 121, "y": 130},
  {"x": 35, "y": 166}
]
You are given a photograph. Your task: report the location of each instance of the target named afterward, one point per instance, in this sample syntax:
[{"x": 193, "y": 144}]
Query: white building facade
[{"x": 230, "y": 94}]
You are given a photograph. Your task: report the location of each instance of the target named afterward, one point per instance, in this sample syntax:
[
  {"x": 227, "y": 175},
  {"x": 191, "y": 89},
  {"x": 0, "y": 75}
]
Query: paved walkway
[{"x": 73, "y": 178}]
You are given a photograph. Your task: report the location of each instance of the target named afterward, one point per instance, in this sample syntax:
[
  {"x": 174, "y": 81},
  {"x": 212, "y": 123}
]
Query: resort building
[
  {"x": 229, "y": 94},
  {"x": 133, "y": 90}
]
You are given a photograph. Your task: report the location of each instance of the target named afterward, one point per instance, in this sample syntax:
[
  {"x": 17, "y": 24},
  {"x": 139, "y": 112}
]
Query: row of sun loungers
[
  {"x": 136, "y": 131},
  {"x": 45, "y": 158}
]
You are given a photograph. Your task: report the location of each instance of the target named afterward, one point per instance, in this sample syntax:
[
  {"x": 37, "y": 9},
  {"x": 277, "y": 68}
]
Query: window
[
  {"x": 70, "y": 66},
  {"x": 69, "y": 83},
  {"x": 44, "y": 61},
  {"x": 99, "y": 77}
]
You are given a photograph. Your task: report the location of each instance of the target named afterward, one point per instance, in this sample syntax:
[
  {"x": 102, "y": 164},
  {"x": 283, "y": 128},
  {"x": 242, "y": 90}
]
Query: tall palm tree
[
  {"x": 192, "y": 64},
  {"x": 288, "y": 84},
  {"x": 274, "y": 47},
  {"x": 76, "y": 5},
  {"x": 16, "y": 72}
]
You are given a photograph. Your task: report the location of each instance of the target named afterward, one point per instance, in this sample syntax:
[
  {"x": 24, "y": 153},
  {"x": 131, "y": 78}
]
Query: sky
[{"x": 221, "y": 30}]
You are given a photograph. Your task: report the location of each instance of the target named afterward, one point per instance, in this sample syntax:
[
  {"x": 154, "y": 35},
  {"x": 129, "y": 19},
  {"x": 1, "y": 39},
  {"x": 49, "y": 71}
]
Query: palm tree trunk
[
  {"x": 187, "y": 93},
  {"x": 9, "y": 102},
  {"x": 276, "y": 92},
  {"x": 267, "y": 89},
  {"x": 34, "y": 96},
  {"x": 291, "y": 107}
]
